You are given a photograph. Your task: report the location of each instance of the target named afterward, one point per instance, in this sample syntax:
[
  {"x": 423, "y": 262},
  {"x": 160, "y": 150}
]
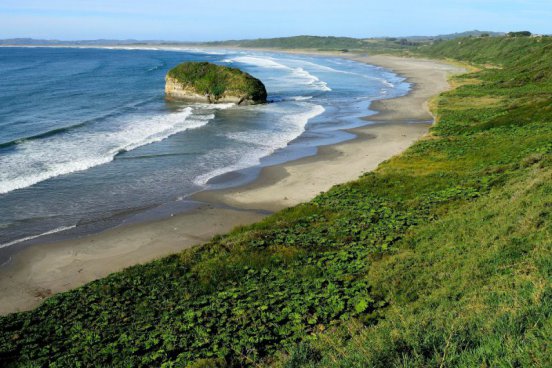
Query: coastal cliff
[{"x": 211, "y": 83}]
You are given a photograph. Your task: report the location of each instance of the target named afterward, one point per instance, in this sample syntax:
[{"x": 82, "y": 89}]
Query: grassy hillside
[
  {"x": 534, "y": 52},
  {"x": 317, "y": 43},
  {"x": 314, "y": 42},
  {"x": 452, "y": 36},
  {"x": 472, "y": 286},
  {"x": 328, "y": 43},
  {"x": 441, "y": 257}
]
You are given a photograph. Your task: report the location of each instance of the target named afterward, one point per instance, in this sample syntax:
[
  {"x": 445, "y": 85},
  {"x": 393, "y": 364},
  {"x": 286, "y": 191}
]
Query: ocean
[{"x": 88, "y": 141}]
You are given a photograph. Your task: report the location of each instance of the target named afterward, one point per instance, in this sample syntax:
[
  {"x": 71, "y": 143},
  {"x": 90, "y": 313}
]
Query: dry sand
[
  {"x": 399, "y": 123},
  {"x": 46, "y": 269}
]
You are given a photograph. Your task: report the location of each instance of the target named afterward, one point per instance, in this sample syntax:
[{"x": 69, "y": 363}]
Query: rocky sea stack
[{"x": 206, "y": 82}]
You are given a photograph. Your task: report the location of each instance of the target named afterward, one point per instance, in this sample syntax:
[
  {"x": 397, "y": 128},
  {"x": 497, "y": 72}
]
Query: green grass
[
  {"x": 217, "y": 80},
  {"x": 471, "y": 288},
  {"x": 346, "y": 44},
  {"x": 441, "y": 257}
]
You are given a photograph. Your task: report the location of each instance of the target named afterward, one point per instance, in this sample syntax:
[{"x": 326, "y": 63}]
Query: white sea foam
[
  {"x": 333, "y": 70},
  {"x": 199, "y": 51},
  {"x": 218, "y": 106},
  {"x": 311, "y": 79},
  {"x": 39, "y": 160},
  {"x": 321, "y": 67},
  {"x": 154, "y": 68},
  {"x": 55, "y": 231},
  {"x": 299, "y": 74},
  {"x": 262, "y": 143},
  {"x": 263, "y": 62},
  {"x": 147, "y": 48},
  {"x": 300, "y": 98}
]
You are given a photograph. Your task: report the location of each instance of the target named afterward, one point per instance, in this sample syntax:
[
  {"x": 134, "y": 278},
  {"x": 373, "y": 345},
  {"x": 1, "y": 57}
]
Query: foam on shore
[
  {"x": 38, "y": 160},
  {"x": 290, "y": 126}
]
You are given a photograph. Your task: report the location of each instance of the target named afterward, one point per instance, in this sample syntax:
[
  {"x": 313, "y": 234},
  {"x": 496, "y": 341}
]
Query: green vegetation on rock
[
  {"x": 218, "y": 82},
  {"x": 440, "y": 257}
]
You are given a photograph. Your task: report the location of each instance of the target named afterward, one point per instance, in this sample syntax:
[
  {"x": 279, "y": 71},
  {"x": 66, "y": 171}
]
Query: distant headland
[{"x": 211, "y": 83}]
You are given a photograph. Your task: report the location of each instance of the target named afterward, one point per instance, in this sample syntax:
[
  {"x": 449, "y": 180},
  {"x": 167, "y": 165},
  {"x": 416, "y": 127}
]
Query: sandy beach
[
  {"x": 397, "y": 125},
  {"x": 43, "y": 270}
]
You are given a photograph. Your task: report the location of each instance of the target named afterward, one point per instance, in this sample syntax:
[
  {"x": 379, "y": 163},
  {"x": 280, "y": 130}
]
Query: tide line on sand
[{"x": 65, "y": 265}]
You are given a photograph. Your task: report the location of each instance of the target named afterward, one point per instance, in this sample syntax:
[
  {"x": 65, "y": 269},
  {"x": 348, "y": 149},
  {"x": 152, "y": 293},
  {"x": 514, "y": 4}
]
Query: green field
[{"x": 439, "y": 258}]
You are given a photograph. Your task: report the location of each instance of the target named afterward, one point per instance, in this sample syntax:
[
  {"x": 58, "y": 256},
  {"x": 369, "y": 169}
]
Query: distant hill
[
  {"x": 452, "y": 36},
  {"x": 322, "y": 43},
  {"x": 348, "y": 43},
  {"x": 295, "y": 42},
  {"x": 313, "y": 42}
]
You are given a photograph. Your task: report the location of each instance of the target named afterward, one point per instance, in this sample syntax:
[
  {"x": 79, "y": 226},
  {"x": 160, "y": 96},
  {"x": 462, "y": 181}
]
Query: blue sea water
[{"x": 87, "y": 138}]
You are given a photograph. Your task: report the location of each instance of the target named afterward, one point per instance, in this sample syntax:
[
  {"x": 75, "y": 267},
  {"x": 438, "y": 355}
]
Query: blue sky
[{"x": 203, "y": 20}]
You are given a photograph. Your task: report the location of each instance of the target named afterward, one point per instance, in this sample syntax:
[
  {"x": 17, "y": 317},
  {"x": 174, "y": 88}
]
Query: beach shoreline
[{"x": 43, "y": 270}]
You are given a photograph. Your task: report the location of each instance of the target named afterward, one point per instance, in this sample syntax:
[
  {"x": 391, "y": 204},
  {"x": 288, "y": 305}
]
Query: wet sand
[
  {"x": 43, "y": 270},
  {"x": 399, "y": 123}
]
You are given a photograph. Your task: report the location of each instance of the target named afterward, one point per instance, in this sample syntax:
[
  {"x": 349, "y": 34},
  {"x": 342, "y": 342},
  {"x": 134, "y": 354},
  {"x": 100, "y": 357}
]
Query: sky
[{"x": 208, "y": 20}]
